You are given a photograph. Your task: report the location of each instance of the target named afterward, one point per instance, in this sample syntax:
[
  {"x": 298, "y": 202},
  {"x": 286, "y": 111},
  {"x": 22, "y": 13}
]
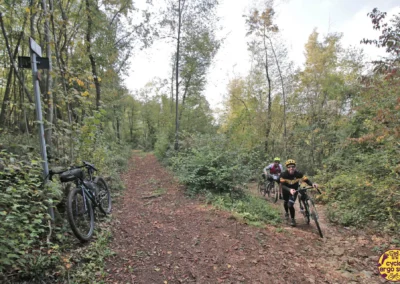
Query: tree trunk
[
  {"x": 184, "y": 97},
  {"x": 12, "y": 61},
  {"x": 6, "y": 99},
  {"x": 49, "y": 83},
  {"x": 130, "y": 117},
  {"x": 283, "y": 97},
  {"x": 172, "y": 87},
  {"x": 118, "y": 131},
  {"x": 177, "y": 77},
  {"x": 8, "y": 85},
  {"x": 61, "y": 63},
  {"x": 268, "y": 123},
  {"x": 91, "y": 57}
]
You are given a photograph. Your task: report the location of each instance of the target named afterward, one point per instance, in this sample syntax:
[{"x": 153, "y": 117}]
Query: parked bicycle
[
  {"x": 309, "y": 209},
  {"x": 269, "y": 188},
  {"x": 88, "y": 194}
]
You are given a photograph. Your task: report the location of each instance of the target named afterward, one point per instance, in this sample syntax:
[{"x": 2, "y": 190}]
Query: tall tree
[
  {"x": 185, "y": 18},
  {"x": 261, "y": 26},
  {"x": 49, "y": 78}
]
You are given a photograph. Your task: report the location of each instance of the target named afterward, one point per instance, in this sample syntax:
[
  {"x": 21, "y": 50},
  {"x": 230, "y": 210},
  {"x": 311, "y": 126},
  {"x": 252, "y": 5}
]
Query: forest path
[{"x": 162, "y": 236}]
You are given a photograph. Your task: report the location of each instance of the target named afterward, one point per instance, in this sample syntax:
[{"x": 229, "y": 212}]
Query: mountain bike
[
  {"x": 88, "y": 194},
  {"x": 269, "y": 188},
  {"x": 309, "y": 209}
]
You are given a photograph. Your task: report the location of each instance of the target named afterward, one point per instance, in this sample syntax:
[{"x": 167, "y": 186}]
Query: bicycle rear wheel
[
  {"x": 80, "y": 215},
  {"x": 314, "y": 215},
  {"x": 261, "y": 187},
  {"x": 104, "y": 195}
]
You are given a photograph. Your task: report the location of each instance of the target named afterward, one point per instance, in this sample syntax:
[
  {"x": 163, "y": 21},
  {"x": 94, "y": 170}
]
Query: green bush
[
  {"x": 205, "y": 163},
  {"x": 361, "y": 188},
  {"x": 162, "y": 145},
  {"x": 23, "y": 210},
  {"x": 25, "y": 252}
]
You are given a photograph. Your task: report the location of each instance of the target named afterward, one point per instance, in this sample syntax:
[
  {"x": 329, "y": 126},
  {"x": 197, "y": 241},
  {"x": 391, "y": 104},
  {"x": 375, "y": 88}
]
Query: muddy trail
[{"x": 162, "y": 236}]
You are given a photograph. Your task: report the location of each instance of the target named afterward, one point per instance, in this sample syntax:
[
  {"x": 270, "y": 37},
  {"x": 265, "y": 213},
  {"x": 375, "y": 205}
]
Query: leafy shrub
[
  {"x": 362, "y": 188},
  {"x": 205, "y": 163},
  {"x": 24, "y": 250},
  {"x": 161, "y": 146},
  {"x": 23, "y": 210}
]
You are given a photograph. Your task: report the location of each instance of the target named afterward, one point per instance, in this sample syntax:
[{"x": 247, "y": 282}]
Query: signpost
[
  {"x": 25, "y": 62},
  {"x": 36, "y": 52}
]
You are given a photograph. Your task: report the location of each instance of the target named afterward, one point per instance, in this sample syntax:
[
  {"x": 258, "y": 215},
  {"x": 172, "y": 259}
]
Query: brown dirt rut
[{"x": 162, "y": 236}]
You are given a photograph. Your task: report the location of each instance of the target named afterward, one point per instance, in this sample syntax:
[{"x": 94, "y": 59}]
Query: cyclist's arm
[
  {"x": 306, "y": 180},
  {"x": 286, "y": 188}
]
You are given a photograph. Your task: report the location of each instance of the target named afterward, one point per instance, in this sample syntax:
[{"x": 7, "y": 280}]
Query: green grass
[{"x": 253, "y": 210}]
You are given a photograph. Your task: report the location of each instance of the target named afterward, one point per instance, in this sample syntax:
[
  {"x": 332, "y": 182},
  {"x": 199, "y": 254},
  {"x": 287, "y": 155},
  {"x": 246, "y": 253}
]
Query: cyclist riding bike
[
  {"x": 290, "y": 182},
  {"x": 275, "y": 169}
]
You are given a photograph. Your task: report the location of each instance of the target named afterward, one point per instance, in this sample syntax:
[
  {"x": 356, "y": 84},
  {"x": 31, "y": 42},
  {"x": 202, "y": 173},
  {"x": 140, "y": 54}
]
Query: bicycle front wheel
[
  {"x": 276, "y": 192},
  {"x": 273, "y": 191},
  {"x": 104, "y": 195},
  {"x": 80, "y": 215},
  {"x": 314, "y": 215},
  {"x": 306, "y": 211},
  {"x": 268, "y": 190}
]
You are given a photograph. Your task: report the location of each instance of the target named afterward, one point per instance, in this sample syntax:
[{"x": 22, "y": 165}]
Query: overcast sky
[{"x": 296, "y": 20}]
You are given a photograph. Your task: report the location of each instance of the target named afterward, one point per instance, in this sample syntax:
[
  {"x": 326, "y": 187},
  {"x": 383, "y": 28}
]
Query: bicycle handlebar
[
  {"x": 305, "y": 188},
  {"x": 85, "y": 165},
  {"x": 89, "y": 165}
]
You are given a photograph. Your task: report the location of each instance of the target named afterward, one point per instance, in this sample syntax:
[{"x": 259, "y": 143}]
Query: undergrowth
[
  {"x": 32, "y": 251},
  {"x": 253, "y": 210}
]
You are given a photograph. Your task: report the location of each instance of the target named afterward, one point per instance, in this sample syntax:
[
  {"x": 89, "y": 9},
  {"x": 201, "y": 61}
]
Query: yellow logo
[{"x": 389, "y": 265}]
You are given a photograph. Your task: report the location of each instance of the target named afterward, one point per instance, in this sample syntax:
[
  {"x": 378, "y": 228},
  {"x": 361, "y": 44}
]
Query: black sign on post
[{"x": 25, "y": 62}]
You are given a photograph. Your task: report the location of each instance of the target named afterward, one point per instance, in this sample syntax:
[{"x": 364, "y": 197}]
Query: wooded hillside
[{"x": 338, "y": 116}]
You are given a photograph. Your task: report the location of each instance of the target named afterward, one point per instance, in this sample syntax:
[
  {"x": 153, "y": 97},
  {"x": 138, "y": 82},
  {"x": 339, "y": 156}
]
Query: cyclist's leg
[
  {"x": 291, "y": 203},
  {"x": 280, "y": 188},
  {"x": 286, "y": 196},
  {"x": 292, "y": 211}
]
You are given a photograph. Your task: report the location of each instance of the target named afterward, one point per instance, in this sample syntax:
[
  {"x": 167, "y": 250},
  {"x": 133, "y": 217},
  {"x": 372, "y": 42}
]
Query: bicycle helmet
[
  {"x": 276, "y": 159},
  {"x": 290, "y": 162}
]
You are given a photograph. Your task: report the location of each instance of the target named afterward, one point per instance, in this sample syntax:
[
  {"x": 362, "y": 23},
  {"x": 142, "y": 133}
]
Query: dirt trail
[{"x": 161, "y": 236}]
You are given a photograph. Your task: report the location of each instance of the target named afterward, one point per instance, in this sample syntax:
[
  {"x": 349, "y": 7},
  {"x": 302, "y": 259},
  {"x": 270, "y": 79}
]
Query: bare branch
[{"x": 12, "y": 59}]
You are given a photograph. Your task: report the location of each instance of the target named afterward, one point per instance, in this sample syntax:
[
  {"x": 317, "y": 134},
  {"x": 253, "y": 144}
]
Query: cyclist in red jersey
[{"x": 275, "y": 169}]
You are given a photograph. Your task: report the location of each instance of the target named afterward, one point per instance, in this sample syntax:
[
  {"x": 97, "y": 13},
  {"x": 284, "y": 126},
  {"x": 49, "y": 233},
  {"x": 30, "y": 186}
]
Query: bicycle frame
[
  {"x": 80, "y": 183},
  {"x": 86, "y": 193},
  {"x": 269, "y": 185}
]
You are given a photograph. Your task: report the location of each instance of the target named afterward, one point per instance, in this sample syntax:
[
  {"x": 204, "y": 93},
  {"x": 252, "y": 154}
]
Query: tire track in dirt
[{"x": 162, "y": 236}]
